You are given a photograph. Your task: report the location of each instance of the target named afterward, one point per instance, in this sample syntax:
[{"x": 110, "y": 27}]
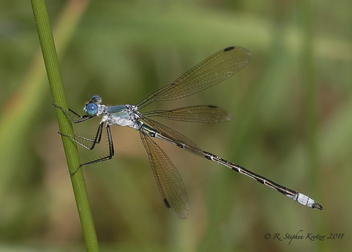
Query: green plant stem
[{"x": 58, "y": 95}]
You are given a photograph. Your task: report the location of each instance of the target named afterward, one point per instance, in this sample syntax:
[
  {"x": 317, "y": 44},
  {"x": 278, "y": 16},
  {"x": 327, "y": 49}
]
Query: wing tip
[
  {"x": 244, "y": 50},
  {"x": 167, "y": 203},
  {"x": 229, "y": 48},
  {"x": 182, "y": 215}
]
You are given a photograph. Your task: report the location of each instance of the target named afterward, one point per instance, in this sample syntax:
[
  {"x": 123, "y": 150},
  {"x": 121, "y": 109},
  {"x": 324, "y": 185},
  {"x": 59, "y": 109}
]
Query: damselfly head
[{"x": 91, "y": 107}]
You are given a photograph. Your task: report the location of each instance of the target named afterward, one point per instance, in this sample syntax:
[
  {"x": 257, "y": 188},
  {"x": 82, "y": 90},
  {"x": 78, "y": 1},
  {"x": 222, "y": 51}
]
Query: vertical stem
[{"x": 58, "y": 95}]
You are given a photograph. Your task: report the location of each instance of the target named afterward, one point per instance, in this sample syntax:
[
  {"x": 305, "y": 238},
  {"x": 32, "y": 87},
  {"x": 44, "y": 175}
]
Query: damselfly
[{"x": 211, "y": 71}]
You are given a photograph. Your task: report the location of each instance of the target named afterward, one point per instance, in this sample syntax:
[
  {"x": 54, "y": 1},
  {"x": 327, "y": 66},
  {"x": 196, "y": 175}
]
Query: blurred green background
[{"x": 292, "y": 123}]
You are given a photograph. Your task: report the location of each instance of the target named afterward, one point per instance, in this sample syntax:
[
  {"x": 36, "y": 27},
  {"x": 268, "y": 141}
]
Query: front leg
[
  {"x": 82, "y": 118},
  {"x": 80, "y": 139}
]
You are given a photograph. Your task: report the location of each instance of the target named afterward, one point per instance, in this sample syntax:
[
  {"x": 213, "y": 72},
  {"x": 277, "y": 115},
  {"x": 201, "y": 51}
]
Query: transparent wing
[
  {"x": 168, "y": 179},
  {"x": 211, "y": 71},
  {"x": 201, "y": 114},
  {"x": 170, "y": 135}
]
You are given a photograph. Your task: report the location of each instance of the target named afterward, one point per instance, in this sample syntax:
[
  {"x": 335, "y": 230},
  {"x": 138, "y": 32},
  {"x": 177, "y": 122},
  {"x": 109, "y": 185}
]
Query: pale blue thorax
[{"x": 122, "y": 115}]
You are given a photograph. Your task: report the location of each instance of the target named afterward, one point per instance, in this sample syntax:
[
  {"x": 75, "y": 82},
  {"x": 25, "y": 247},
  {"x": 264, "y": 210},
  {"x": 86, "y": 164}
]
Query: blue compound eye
[
  {"x": 96, "y": 99},
  {"x": 91, "y": 109}
]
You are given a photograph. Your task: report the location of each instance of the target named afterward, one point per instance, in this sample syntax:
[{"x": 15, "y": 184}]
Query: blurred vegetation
[{"x": 291, "y": 109}]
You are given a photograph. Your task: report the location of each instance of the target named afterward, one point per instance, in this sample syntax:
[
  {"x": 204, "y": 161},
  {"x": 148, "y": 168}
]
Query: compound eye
[
  {"x": 96, "y": 99},
  {"x": 91, "y": 109}
]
